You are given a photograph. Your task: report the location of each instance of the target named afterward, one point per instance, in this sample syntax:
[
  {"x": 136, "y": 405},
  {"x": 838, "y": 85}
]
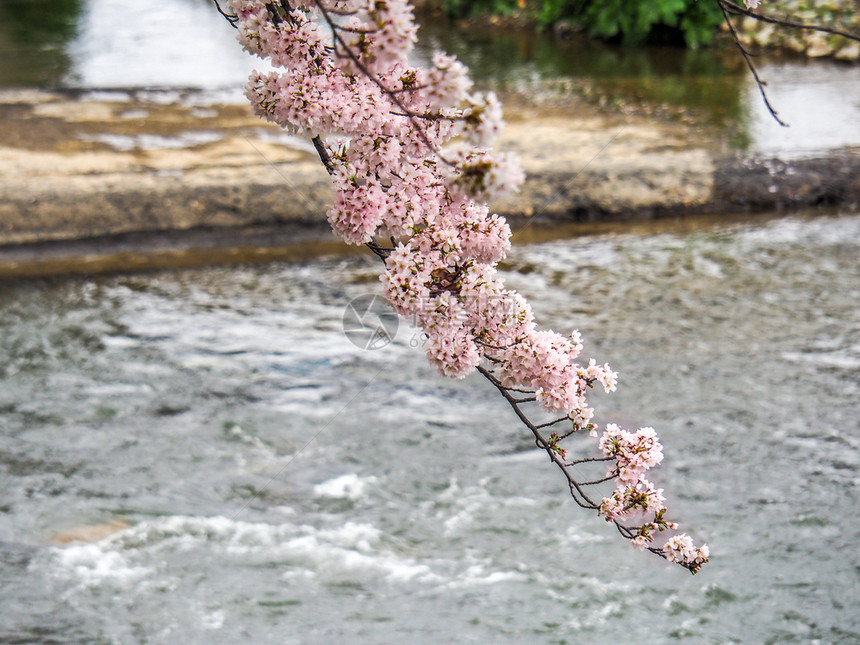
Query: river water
[
  {"x": 274, "y": 483},
  {"x": 111, "y": 44},
  {"x": 239, "y": 472}
]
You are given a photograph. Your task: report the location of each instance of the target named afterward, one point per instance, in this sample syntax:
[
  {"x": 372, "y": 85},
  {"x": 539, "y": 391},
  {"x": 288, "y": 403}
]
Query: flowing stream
[{"x": 202, "y": 456}]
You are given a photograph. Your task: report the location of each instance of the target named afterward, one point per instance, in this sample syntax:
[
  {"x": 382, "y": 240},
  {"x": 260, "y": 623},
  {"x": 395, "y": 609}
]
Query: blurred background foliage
[
  {"x": 34, "y": 35},
  {"x": 655, "y": 22}
]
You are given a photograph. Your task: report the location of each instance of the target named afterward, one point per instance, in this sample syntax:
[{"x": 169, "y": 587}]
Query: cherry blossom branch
[
  {"x": 355, "y": 60},
  {"x": 575, "y": 487},
  {"x": 391, "y": 181},
  {"x": 640, "y": 535}
]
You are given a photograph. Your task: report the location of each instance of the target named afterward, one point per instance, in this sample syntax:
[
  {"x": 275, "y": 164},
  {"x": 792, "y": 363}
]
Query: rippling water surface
[{"x": 273, "y": 483}]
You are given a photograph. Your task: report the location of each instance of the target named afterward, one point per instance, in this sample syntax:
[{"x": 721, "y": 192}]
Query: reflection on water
[
  {"x": 34, "y": 36},
  {"x": 820, "y": 102},
  {"x": 269, "y": 482},
  {"x": 818, "y": 98},
  {"x": 707, "y": 80},
  {"x": 157, "y": 43}
]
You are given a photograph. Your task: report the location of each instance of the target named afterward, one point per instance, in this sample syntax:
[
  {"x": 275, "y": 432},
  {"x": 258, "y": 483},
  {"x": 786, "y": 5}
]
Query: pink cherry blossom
[{"x": 410, "y": 158}]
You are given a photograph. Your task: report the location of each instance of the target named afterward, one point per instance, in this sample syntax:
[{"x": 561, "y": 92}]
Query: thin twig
[
  {"x": 232, "y": 18},
  {"x": 761, "y": 84},
  {"x": 552, "y": 423},
  {"x": 540, "y": 440}
]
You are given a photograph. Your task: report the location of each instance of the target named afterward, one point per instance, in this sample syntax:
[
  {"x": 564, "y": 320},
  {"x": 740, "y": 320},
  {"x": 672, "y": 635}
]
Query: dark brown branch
[
  {"x": 232, "y": 18},
  {"x": 552, "y": 423},
  {"x": 488, "y": 346},
  {"x": 761, "y": 84},
  {"x": 322, "y": 151},
  {"x": 586, "y": 460},
  {"x": 585, "y": 501},
  {"x": 381, "y": 251}
]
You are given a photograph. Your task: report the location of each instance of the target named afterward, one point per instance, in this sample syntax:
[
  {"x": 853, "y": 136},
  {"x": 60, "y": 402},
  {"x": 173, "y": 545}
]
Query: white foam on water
[
  {"x": 349, "y": 486},
  {"x": 94, "y": 565},
  {"x": 332, "y": 560},
  {"x": 115, "y": 389},
  {"x": 236, "y": 432},
  {"x": 836, "y": 360},
  {"x": 469, "y": 502},
  {"x": 305, "y": 553},
  {"x": 574, "y": 536},
  {"x": 818, "y": 101},
  {"x": 350, "y": 549},
  {"x": 843, "y": 229},
  {"x": 212, "y": 619},
  {"x": 478, "y": 576},
  {"x": 148, "y": 58}
]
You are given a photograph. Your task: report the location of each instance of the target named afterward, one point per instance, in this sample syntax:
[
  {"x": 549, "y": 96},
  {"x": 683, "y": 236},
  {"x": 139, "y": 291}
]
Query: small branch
[
  {"x": 576, "y": 491},
  {"x": 232, "y": 18},
  {"x": 761, "y": 84},
  {"x": 322, "y": 151},
  {"x": 356, "y": 30},
  {"x": 586, "y": 460},
  {"x": 516, "y": 389},
  {"x": 381, "y": 251},
  {"x": 488, "y": 346},
  {"x": 552, "y": 423},
  {"x": 594, "y": 482}
]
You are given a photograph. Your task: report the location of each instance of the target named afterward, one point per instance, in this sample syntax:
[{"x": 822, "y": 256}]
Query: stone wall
[{"x": 843, "y": 15}]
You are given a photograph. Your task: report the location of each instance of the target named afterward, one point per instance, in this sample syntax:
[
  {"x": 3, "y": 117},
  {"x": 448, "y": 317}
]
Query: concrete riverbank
[{"x": 160, "y": 170}]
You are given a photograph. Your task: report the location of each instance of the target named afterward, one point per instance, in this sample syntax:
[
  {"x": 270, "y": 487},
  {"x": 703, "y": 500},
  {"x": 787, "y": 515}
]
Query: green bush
[
  {"x": 694, "y": 21},
  {"x": 690, "y": 22},
  {"x": 462, "y": 8}
]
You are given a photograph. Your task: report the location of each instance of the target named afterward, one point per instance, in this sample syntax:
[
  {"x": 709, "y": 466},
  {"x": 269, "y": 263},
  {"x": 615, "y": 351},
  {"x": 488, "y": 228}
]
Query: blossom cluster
[
  {"x": 632, "y": 454},
  {"x": 409, "y": 151},
  {"x": 680, "y": 548}
]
